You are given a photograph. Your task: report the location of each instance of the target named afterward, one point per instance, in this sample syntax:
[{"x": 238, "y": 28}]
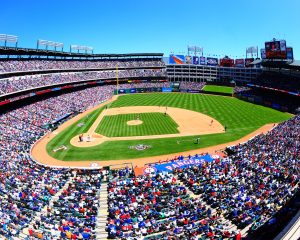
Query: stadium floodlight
[
  {"x": 81, "y": 48},
  {"x": 9, "y": 39},
  {"x": 252, "y": 51},
  {"x": 47, "y": 44},
  {"x": 195, "y": 49}
]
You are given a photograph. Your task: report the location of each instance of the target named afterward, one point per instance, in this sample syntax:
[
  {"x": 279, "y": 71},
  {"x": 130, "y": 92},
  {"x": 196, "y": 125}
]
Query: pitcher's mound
[{"x": 134, "y": 122}]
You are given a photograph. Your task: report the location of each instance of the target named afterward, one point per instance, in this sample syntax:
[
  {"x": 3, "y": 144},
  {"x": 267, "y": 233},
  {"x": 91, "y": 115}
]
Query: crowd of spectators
[
  {"x": 240, "y": 89},
  {"x": 253, "y": 183},
  {"x": 14, "y": 84},
  {"x": 32, "y": 65},
  {"x": 37, "y": 114},
  {"x": 159, "y": 207},
  {"x": 73, "y": 214},
  {"x": 191, "y": 85},
  {"x": 25, "y": 188}
]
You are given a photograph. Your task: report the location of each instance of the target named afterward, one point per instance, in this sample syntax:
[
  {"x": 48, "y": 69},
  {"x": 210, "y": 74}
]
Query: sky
[{"x": 221, "y": 27}]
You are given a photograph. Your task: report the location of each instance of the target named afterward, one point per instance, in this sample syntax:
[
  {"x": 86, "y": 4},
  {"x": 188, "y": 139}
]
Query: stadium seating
[
  {"x": 192, "y": 85},
  {"x": 157, "y": 206},
  {"x": 14, "y": 84},
  {"x": 35, "y": 65},
  {"x": 73, "y": 213},
  {"x": 289, "y": 81},
  {"x": 240, "y": 89}
]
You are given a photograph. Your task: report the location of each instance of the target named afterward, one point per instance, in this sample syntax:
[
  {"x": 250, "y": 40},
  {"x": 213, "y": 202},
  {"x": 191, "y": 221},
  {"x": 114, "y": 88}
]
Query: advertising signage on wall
[
  {"x": 196, "y": 60},
  {"x": 240, "y": 62},
  {"x": 177, "y": 59},
  {"x": 212, "y": 61},
  {"x": 122, "y": 91},
  {"x": 263, "y": 53},
  {"x": 183, "y": 163},
  {"x": 165, "y": 89},
  {"x": 188, "y": 59},
  {"x": 289, "y": 53},
  {"x": 202, "y": 61},
  {"x": 248, "y": 61},
  {"x": 226, "y": 62}
]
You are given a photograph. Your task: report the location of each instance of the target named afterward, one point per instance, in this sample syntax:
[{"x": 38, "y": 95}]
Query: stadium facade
[{"x": 211, "y": 74}]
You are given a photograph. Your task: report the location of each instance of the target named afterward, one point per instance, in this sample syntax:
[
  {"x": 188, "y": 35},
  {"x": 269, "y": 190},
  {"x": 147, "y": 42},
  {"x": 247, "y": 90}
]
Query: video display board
[{"x": 276, "y": 49}]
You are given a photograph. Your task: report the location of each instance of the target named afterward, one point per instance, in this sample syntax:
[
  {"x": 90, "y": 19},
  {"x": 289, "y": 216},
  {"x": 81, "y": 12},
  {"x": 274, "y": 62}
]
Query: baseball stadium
[{"x": 149, "y": 145}]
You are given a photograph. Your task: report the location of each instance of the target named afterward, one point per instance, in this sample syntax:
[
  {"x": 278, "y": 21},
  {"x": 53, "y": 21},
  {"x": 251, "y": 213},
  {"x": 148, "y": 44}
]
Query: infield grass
[
  {"x": 240, "y": 118},
  {"x": 153, "y": 124},
  {"x": 219, "y": 89}
]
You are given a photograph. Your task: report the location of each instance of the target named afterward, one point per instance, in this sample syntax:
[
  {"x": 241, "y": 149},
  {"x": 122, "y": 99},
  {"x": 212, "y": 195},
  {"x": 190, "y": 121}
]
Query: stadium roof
[
  {"x": 51, "y": 53},
  {"x": 257, "y": 61},
  {"x": 295, "y": 65}
]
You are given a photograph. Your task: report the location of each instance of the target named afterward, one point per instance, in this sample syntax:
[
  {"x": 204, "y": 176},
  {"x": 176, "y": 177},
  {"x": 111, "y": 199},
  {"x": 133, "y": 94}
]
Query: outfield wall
[
  {"x": 261, "y": 101},
  {"x": 165, "y": 90}
]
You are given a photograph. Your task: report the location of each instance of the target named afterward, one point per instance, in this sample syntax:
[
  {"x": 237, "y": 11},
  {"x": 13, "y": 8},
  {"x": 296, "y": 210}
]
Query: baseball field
[
  {"x": 219, "y": 89},
  {"x": 162, "y": 123}
]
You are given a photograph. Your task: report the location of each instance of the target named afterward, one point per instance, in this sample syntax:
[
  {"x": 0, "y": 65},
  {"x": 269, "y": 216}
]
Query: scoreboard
[{"x": 275, "y": 49}]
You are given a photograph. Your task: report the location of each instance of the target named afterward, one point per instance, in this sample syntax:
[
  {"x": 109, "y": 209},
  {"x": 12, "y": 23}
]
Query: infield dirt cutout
[{"x": 190, "y": 123}]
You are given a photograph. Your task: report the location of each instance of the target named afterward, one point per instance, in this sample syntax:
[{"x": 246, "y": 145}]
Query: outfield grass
[
  {"x": 153, "y": 124},
  {"x": 219, "y": 89},
  {"x": 240, "y": 118}
]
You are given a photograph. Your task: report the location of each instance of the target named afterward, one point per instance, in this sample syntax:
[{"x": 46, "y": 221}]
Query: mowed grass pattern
[
  {"x": 153, "y": 124},
  {"x": 220, "y": 89},
  {"x": 240, "y": 118},
  {"x": 236, "y": 115}
]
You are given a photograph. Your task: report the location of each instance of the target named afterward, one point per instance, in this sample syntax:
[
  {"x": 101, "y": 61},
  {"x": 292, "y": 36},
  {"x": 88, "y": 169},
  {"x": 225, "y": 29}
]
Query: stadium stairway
[
  {"x": 230, "y": 226},
  {"x": 102, "y": 213},
  {"x": 24, "y": 234}
]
